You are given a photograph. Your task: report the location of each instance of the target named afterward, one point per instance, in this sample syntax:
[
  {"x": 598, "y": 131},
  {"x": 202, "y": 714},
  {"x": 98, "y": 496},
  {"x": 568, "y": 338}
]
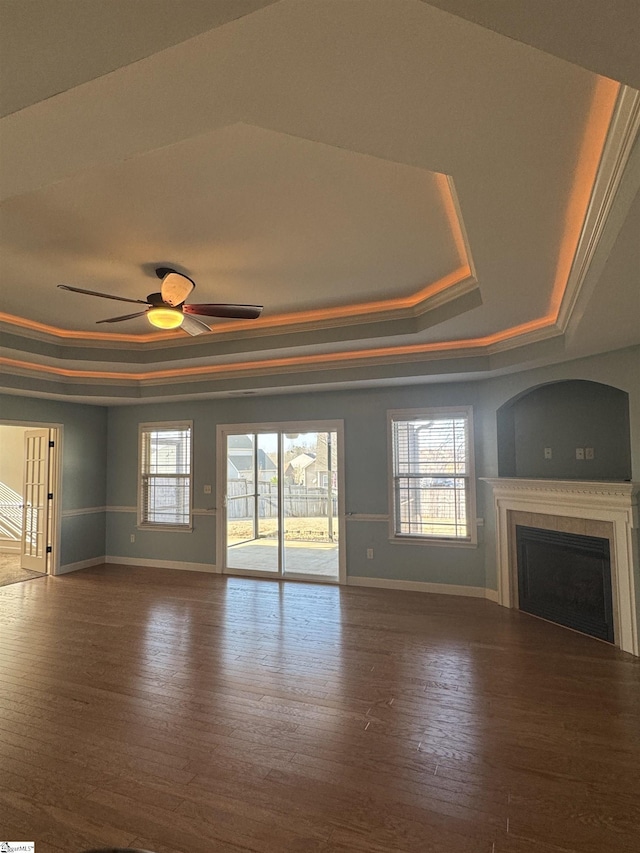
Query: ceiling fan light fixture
[{"x": 165, "y": 318}]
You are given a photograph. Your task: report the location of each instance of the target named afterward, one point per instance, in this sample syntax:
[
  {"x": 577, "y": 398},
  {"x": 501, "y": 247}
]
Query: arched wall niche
[{"x": 564, "y": 416}]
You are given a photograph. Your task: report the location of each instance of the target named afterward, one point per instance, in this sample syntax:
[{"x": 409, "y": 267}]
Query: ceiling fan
[{"x": 167, "y": 309}]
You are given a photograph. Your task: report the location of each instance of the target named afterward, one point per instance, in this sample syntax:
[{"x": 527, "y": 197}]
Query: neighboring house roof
[
  {"x": 238, "y": 442},
  {"x": 241, "y": 463},
  {"x": 232, "y": 471},
  {"x": 244, "y": 461},
  {"x": 303, "y": 460}
]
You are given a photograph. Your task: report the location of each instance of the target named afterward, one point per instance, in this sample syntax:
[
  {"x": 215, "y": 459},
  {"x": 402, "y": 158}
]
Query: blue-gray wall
[
  {"x": 102, "y": 446},
  {"x": 84, "y": 469},
  {"x": 563, "y": 416},
  {"x": 364, "y": 413}
]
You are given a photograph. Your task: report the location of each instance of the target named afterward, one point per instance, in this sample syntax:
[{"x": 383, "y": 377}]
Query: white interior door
[{"x": 35, "y": 513}]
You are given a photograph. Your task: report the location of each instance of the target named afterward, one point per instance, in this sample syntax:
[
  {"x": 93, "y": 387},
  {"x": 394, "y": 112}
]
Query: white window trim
[
  {"x": 162, "y": 425},
  {"x": 469, "y": 541}
]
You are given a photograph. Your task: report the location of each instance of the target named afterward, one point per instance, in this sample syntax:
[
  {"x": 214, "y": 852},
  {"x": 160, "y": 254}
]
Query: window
[
  {"x": 165, "y": 475},
  {"x": 432, "y": 474}
]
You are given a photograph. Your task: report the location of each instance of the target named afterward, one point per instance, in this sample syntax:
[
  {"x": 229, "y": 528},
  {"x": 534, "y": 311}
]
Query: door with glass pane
[
  {"x": 311, "y": 533},
  {"x": 35, "y": 512},
  {"x": 251, "y": 502},
  {"x": 281, "y": 501}
]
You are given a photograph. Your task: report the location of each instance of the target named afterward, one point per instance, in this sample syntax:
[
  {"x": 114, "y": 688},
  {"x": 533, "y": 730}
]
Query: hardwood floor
[{"x": 190, "y": 713}]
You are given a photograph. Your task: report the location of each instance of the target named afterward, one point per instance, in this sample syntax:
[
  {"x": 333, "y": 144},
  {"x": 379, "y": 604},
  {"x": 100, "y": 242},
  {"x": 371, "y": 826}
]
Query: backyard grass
[{"x": 296, "y": 529}]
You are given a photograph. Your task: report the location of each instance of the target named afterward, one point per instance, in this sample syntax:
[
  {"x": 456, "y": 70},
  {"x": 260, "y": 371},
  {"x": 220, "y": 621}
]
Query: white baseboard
[
  {"x": 8, "y": 549},
  {"x": 82, "y": 564},
  {"x": 163, "y": 564},
  {"x": 422, "y": 586},
  {"x": 380, "y": 583}
]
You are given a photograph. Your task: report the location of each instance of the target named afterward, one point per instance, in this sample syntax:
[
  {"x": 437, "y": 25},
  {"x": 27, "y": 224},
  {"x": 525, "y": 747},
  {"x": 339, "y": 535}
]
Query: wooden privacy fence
[
  {"x": 443, "y": 505},
  {"x": 299, "y": 502}
]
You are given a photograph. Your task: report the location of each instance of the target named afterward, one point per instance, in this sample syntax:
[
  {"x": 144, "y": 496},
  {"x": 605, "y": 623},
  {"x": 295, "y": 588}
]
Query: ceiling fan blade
[
  {"x": 175, "y": 288},
  {"x": 103, "y": 295},
  {"x": 193, "y": 326},
  {"x": 125, "y": 317},
  {"x": 237, "y": 312}
]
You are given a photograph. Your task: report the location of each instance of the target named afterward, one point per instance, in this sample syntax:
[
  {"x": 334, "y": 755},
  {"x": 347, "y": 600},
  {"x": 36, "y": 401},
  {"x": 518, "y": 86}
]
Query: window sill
[
  {"x": 438, "y": 543},
  {"x": 167, "y": 528}
]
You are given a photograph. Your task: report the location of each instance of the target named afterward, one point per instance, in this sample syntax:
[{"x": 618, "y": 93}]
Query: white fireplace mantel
[{"x": 612, "y": 502}]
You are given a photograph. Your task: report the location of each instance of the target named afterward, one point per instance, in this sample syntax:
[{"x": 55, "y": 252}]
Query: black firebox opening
[{"x": 566, "y": 578}]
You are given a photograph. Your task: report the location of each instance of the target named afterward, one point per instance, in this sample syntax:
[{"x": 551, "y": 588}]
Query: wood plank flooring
[{"x": 190, "y": 713}]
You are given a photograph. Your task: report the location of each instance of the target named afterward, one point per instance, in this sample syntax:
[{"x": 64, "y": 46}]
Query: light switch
[
  {"x": 579, "y": 452},
  {"x": 207, "y": 490},
  {"x": 547, "y": 453}
]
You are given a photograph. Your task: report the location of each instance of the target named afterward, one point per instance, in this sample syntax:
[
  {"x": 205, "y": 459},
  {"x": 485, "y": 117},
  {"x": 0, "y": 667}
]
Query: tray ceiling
[{"x": 397, "y": 185}]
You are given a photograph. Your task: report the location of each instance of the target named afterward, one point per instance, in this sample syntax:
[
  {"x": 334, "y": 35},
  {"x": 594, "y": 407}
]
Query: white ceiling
[
  {"x": 600, "y": 36},
  {"x": 50, "y": 46},
  {"x": 285, "y": 221},
  {"x": 392, "y": 182}
]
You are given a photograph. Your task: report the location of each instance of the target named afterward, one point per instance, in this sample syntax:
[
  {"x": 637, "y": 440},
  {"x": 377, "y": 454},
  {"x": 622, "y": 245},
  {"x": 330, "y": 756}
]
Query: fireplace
[
  {"x": 566, "y": 578},
  {"x": 581, "y": 510}
]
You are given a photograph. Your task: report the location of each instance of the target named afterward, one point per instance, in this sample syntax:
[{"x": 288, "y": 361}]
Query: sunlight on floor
[{"x": 10, "y": 571}]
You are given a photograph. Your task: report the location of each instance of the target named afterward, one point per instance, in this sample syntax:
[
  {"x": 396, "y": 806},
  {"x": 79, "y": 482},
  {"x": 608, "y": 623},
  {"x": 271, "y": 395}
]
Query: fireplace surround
[{"x": 607, "y": 510}]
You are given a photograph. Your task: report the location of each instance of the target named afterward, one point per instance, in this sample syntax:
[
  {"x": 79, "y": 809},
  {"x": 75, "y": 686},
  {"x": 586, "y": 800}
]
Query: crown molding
[
  {"x": 623, "y": 132},
  {"x": 414, "y": 314}
]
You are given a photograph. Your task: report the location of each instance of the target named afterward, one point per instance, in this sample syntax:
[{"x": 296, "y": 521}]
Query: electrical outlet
[
  {"x": 369, "y": 553},
  {"x": 579, "y": 452},
  {"x": 207, "y": 490},
  {"x": 133, "y": 537},
  {"x": 547, "y": 453},
  {"x": 589, "y": 453}
]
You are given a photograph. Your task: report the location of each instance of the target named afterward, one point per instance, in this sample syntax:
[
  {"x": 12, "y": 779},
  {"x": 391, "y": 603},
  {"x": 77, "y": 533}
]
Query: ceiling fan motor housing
[{"x": 156, "y": 300}]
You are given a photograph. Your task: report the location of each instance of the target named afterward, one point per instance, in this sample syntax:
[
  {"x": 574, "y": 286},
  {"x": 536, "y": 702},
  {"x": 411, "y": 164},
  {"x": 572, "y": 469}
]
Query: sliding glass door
[
  {"x": 251, "y": 503},
  {"x": 310, "y": 503},
  {"x": 281, "y": 496}
]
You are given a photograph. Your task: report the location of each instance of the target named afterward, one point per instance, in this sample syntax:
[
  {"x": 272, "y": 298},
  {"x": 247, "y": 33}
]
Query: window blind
[
  {"x": 165, "y": 476},
  {"x": 431, "y": 476}
]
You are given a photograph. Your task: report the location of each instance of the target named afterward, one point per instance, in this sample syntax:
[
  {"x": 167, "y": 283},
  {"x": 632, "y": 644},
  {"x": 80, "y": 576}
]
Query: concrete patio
[{"x": 301, "y": 558}]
